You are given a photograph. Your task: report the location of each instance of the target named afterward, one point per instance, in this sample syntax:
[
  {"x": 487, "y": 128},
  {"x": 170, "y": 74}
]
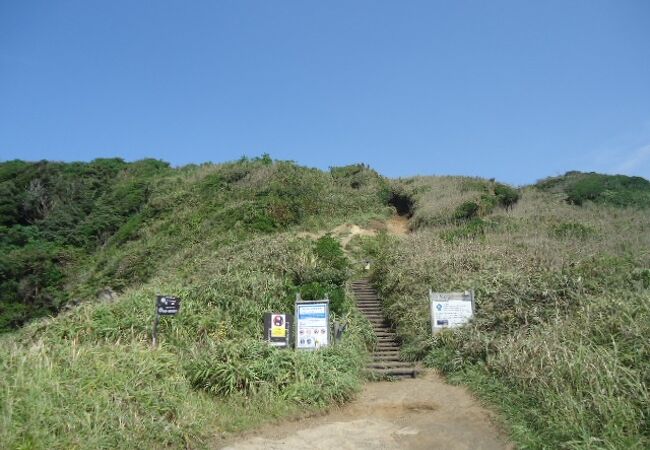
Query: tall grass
[
  {"x": 561, "y": 337},
  {"x": 90, "y": 379},
  {"x": 222, "y": 238}
]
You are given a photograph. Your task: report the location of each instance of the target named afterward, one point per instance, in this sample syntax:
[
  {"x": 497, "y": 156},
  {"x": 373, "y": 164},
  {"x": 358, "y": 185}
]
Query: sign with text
[
  {"x": 167, "y": 305},
  {"x": 312, "y": 324},
  {"x": 450, "y": 309},
  {"x": 277, "y": 329}
]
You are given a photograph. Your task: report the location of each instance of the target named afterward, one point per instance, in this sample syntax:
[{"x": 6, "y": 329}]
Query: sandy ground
[
  {"x": 421, "y": 413},
  {"x": 395, "y": 225}
]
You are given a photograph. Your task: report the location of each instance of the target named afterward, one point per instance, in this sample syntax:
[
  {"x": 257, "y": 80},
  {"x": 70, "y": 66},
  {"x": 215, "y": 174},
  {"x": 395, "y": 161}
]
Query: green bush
[
  {"x": 466, "y": 211},
  {"x": 473, "y": 229},
  {"x": 506, "y": 196},
  {"x": 329, "y": 250},
  {"x": 615, "y": 190},
  {"x": 573, "y": 230}
]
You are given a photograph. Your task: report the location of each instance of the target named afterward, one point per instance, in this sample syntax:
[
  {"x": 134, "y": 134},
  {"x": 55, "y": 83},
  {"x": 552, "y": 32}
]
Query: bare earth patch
[
  {"x": 421, "y": 413},
  {"x": 398, "y": 225}
]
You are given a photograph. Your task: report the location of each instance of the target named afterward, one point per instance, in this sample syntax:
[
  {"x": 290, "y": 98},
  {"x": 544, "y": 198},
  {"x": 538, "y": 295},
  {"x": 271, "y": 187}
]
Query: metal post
[{"x": 155, "y": 330}]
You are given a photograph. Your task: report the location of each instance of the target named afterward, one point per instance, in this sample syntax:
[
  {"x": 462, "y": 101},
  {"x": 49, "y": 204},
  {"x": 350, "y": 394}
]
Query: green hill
[
  {"x": 96, "y": 242},
  {"x": 560, "y": 342},
  {"x": 616, "y": 190}
]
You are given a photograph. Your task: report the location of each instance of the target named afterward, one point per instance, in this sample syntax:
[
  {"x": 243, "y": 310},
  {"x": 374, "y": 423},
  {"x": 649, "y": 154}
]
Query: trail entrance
[{"x": 421, "y": 413}]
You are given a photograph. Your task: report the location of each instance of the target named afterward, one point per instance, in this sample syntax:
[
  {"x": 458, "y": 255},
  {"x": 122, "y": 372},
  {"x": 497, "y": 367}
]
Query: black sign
[{"x": 167, "y": 306}]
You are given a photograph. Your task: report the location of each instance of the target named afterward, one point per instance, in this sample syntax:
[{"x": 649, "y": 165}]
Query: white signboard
[
  {"x": 312, "y": 324},
  {"x": 451, "y": 309}
]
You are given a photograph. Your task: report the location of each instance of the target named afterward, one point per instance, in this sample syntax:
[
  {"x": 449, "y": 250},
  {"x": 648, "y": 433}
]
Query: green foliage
[
  {"x": 251, "y": 367},
  {"x": 329, "y": 250},
  {"x": 219, "y": 236},
  {"x": 573, "y": 230},
  {"x": 113, "y": 224},
  {"x": 615, "y": 190},
  {"x": 559, "y": 342},
  {"x": 474, "y": 229},
  {"x": 440, "y": 201},
  {"x": 506, "y": 195},
  {"x": 466, "y": 211},
  {"x": 211, "y": 356}
]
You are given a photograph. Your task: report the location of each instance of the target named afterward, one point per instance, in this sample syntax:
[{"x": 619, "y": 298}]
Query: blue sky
[{"x": 516, "y": 90}]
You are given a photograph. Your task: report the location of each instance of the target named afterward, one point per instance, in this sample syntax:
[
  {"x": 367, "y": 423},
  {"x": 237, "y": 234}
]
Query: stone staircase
[{"x": 385, "y": 359}]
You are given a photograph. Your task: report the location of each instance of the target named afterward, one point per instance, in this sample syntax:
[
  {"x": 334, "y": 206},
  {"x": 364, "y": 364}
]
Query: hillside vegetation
[
  {"x": 561, "y": 338},
  {"x": 222, "y": 237},
  {"x": 616, "y": 190},
  {"x": 560, "y": 344}
]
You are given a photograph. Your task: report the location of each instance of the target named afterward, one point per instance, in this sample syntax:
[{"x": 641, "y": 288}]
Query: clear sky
[{"x": 516, "y": 90}]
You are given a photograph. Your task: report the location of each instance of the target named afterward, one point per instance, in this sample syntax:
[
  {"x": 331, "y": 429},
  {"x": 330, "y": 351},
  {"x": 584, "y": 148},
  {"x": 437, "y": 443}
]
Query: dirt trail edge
[{"x": 420, "y": 413}]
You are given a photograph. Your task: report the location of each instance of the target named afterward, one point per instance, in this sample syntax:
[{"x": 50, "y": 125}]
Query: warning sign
[{"x": 278, "y": 328}]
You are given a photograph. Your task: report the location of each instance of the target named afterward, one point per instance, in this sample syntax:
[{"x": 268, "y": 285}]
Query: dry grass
[{"x": 561, "y": 338}]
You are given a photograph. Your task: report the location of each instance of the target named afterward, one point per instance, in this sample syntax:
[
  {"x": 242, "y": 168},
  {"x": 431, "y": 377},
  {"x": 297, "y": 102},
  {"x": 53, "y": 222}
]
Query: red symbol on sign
[{"x": 278, "y": 321}]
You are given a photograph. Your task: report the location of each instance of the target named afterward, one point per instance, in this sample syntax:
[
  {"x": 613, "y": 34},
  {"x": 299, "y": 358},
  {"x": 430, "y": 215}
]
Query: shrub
[
  {"x": 473, "y": 229},
  {"x": 466, "y": 211},
  {"x": 573, "y": 230},
  {"x": 506, "y": 196}
]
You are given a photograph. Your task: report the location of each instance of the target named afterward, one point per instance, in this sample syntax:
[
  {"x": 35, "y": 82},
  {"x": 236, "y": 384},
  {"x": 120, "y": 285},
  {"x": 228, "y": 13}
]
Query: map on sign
[
  {"x": 450, "y": 309},
  {"x": 312, "y": 324}
]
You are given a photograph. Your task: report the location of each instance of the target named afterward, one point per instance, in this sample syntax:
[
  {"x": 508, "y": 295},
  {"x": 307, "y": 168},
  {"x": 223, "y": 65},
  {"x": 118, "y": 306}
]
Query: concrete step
[
  {"x": 390, "y": 365},
  {"x": 400, "y": 372},
  {"x": 378, "y": 359}
]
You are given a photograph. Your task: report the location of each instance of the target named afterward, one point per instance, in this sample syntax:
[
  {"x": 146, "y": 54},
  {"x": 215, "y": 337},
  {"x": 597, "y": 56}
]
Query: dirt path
[
  {"x": 421, "y": 413},
  {"x": 398, "y": 225}
]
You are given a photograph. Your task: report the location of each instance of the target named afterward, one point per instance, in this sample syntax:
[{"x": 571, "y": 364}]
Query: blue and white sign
[
  {"x": 450, "y": 309},
  {"x": 312, "y": 324}
]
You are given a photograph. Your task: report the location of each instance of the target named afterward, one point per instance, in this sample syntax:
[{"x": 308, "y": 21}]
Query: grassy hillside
[
  {"x": 68, "y": 231},
  {"x": 561, "y": 338},
  {"x": 223, "y": 238},
  {"x": 559, "y": 344}
]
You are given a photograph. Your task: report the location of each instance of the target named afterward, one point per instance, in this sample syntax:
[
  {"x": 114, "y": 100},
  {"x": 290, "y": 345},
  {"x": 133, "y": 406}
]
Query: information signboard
[
  {"x": 312, "y": 324},
  {"x": 277, "y": 329},
  {"x": 450, "y": 309},
  {"x": 167, "y": 305}
]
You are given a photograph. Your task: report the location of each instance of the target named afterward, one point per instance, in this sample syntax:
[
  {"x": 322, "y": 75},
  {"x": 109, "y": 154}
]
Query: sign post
[
  {"x": 450, "y": 309},
  {"x": 277, "y": 329},
  {"x": 165, "y": 306},
  {"x": 312, "y": 323}
]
